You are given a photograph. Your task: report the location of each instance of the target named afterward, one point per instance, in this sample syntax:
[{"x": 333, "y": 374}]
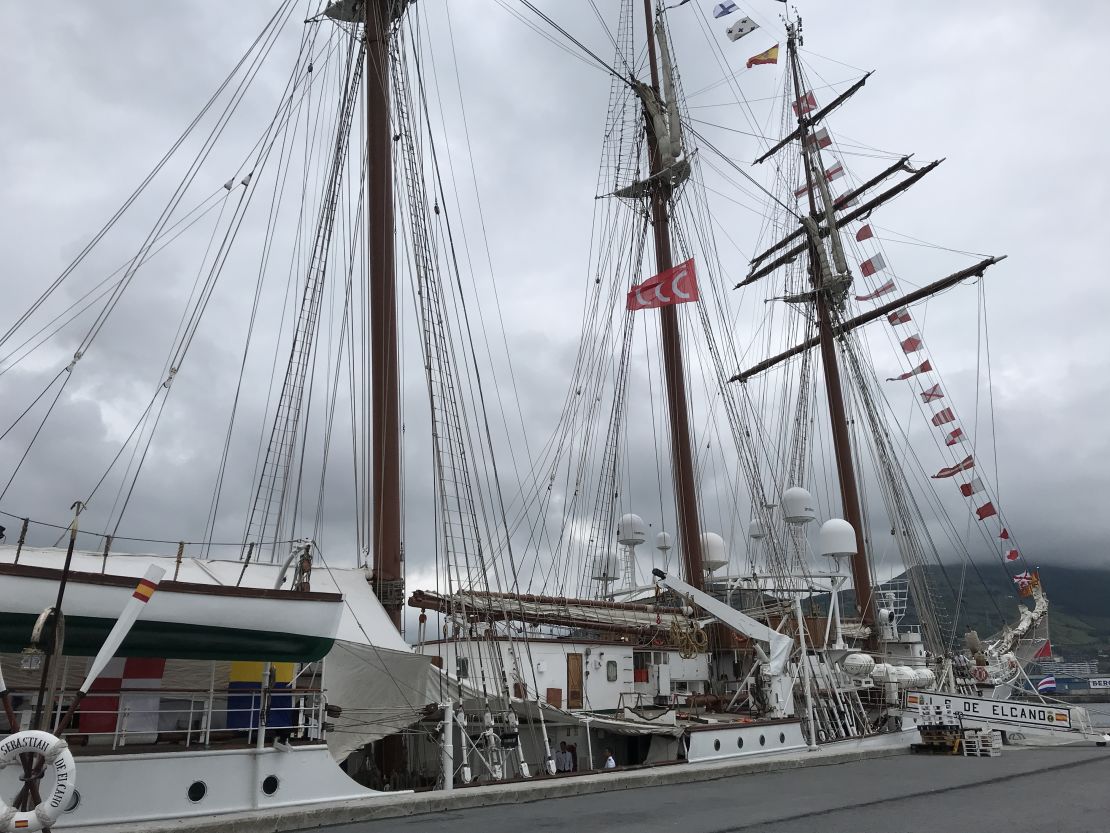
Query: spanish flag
[{"x": 771, "y": 56}]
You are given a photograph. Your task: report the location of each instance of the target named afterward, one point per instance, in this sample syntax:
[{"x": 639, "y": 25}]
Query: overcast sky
[{"x": 1008, "y": 92}]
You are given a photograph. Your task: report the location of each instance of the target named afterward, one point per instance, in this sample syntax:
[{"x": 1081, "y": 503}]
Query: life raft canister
[{"x": 56, "y": 759}]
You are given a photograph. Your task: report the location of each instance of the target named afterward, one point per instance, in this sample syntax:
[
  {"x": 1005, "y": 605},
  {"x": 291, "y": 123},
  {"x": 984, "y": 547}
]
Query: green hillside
[{"x": 1079, "y": 604}]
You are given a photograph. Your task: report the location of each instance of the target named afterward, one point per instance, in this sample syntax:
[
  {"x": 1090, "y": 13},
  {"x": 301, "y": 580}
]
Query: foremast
[{"x": 385, "y": 491}]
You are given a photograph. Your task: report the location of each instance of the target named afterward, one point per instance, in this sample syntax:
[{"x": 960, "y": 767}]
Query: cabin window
[
  {"x": 611, "y": 670},
  {"x": 462, "y": 668}
]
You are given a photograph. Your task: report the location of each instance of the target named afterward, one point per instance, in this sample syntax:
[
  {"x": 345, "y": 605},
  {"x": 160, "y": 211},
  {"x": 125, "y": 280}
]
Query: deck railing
[{"x": 113, "y": 718}]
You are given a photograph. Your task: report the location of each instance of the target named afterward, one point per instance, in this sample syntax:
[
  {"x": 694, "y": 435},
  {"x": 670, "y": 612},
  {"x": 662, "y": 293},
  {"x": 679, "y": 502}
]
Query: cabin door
[{"x": 574, "y": 681}]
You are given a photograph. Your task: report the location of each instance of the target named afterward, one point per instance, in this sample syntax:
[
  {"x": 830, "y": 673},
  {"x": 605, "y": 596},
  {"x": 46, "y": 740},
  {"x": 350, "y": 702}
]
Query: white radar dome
[
  {"x": 837, "y": 537},
  {"x": 798, "y": 506},
  {"x": 756, "y": 529},
  {"x": 606, "y": 568},
  {"x": 631, "y": 531},
  {"x": 858, "y": 665},
  {"x": 663, "y": 541},
  {"x": 713, "y": 555}
]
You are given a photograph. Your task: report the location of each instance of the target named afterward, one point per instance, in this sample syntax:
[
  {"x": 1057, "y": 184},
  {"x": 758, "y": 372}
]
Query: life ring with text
[
  {"x": 979, "y": 672},
  {"x": 51, "y": 754}
]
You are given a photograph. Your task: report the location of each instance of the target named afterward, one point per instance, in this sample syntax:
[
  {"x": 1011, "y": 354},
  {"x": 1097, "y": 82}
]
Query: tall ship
[{"x": 745, "y": 531}]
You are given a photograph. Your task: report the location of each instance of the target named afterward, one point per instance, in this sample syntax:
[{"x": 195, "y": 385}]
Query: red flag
[
  {"x": 986, "y": 510},
  {"x": 1004, "y": 534},
  {"x": 820, "y": 138},
  {"x": 955, "y": 436},
  {"x": 969, "y": 489},
  {"x": 929, "y": 394},
  {"x": 912, "y": 344},
  {"x": 1045, "y": 651},
  {"x": 951, "y": 471},
  {"x": 864, "y": 233},
  {"x": 943, "y": 416},
  {"x": 872, "y": 265},
  {"x": 804, "y": 104},
  {"x": 1012, "y": 555},
  {"x": 924, "y": 367},
  {"x": 899, "y": 316},
  {"x": 674, "y": 286},
  {"x": 885, "y": 289}
]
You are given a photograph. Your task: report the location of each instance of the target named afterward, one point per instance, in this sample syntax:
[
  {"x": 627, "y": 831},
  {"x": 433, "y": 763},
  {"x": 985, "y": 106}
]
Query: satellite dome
[
  {"x": 837, "y": 538},
  {"x": 713, "y": 554},
  {"x": 798, "y": 506},
  {"x": 663, "y": 541},
  {"x": 630, "y": 530},
  {"x": 756, "y": 529}
]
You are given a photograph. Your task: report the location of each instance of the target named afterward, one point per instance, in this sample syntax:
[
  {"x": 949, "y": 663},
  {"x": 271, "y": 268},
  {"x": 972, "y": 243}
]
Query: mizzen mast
[
  {"x": 682, "y": 458},
  {"x": 824, "y": 285}
]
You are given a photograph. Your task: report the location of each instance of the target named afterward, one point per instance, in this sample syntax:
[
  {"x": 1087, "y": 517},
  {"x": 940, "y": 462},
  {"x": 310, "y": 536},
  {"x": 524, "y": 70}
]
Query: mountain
[{"x": 1079, "y": 604}]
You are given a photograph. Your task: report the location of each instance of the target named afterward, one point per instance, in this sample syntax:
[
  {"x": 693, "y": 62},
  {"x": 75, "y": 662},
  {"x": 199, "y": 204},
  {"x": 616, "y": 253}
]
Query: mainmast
[
  {"x": 842, "y": 444},
  {"x": 682, "y": 460},
  {"x": 385, "y": 491}
]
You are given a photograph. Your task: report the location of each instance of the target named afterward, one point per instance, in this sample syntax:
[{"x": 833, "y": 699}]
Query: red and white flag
[
  {"x": 1012, "y": 555},
  {"x": 912, "y": 344},
  {"x": 843, "y": 201},
  {"x": 955, "y": 437},
  {"x": 951, "y": 471},
  {"x": 864, "y": 233},
  {"x": 899, "y": 316},
  {"x": 872, "y": 265},
  {"x": 805, "y": 104},
  {"x": 677, "y": 285},
  {"x": 986, "y": 510},
  {"x": 931, "y": 394},
  {"x": 885, "y": 289},
  {"x": 1004, "y": 534},
  {"x": 831, "y": 173},
  {"x": 972, "y": 488},
  {"x": 1023, "y": 580},
  {"x": 819, "y": 138},
  {"x": 924, "y": 367},
  {"x": 943, "y": 416}
]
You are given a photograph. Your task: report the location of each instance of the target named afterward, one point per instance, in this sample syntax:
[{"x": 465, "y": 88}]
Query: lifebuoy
[
  {"x": 979, "y": 672},
  {"x": 57, "y": 759}
]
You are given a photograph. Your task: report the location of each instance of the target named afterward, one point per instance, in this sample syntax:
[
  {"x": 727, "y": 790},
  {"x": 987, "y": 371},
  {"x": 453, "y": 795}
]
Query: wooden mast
[
  {"x": 682, "y": 459},
  {"x": 842, "y": 444},
  {"x": 385, "y": 491}
]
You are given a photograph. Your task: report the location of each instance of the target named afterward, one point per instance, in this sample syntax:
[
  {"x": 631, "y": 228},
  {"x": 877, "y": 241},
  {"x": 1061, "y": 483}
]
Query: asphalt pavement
[{"x": 1045, "y": 789}]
